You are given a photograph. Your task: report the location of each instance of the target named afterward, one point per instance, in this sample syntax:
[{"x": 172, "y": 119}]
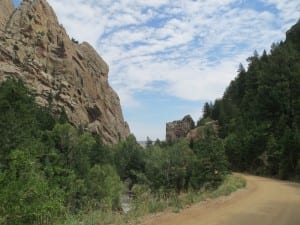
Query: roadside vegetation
[
  {"x": 146, "y": 203},
  {"x": 53, "y": 173},
  {"x": 259, "y": 113}
]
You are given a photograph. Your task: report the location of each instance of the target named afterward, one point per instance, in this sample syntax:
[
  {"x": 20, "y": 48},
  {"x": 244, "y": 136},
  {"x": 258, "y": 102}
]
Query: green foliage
[
  {"x": 231, "y": 183},
  {"x": 210, "y": 164},
  {"x": 50, "y": 169},
  {"x": 104, "y": 187},
  {"x": 26, "y": 197},
  {"x": 167, "y": 168},
  {"x": 74, "y": 147},
  {"x": 20, "y": 119},
  {"x": 179, "y": 168},
  {"x": 207, "y": 113},
  {"x": 259, "y": 113},
  {"x": 290, "y": 155},
  {"x": 147, "y": 202},
  {"x": 129, "y": 160},
  {"x": 47, "y": 167}
]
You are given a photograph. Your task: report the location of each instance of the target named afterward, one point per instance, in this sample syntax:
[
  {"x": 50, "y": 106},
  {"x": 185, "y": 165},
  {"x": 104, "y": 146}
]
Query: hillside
[{"x": 259, "y": 113}]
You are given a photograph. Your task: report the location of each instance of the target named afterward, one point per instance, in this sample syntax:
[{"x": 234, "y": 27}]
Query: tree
[
  {"x": 167, "y": 169},
  {"x": 207, "y": 110},
  {"x": 104, "y": 187},
  {"x": 26, "y": 196},
  {"x": 148, "y": 142},
  {"x": 210, "y": 164},
  {"x": 259, "y": 113},
  {"x": 129, "y": 159}
]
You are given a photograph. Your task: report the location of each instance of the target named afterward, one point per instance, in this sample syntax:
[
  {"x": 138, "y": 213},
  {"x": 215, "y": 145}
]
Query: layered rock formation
[
  {"x": 64, "y": 74},
  {"x": 179, "y": 128}
]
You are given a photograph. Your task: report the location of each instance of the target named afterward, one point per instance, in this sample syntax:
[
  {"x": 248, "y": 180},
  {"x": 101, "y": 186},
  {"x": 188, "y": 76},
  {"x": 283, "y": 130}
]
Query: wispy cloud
[{"x": 184, "y": 48}]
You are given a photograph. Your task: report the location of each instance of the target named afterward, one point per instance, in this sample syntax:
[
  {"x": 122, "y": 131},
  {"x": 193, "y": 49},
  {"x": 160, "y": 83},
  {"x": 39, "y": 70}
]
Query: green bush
[
  {"x": 104, "y": 187},
  {"x": 26, "y": 197},
  {"x": 210, "y": 164},
  {"x": 231, "y": 183}
]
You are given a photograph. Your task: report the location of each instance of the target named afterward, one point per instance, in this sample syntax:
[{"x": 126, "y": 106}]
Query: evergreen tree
[{"x": 260, "y": 110}]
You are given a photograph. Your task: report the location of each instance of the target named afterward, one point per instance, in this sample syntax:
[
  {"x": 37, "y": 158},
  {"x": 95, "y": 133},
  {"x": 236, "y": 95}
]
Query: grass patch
[
  {"x": 230, "y": 184},
  {"x": 147, "y": 203}
]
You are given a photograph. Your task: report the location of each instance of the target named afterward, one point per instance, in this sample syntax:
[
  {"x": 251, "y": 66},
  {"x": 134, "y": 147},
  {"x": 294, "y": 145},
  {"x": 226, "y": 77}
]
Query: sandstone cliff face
[
  {"x": 6, "y": 10},
  {"x": 179, "y": 128},
  {"x": 65, "y": 74}
]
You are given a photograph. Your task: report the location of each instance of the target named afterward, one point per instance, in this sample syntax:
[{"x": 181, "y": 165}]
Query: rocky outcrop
[
  {"x": 179, "y": 128},
  {"x": 186, "y": 129},
  {"x": 64, "y": 74},
  {"x": 210, "y": 127},
  {"x": 6, "y": 10}
]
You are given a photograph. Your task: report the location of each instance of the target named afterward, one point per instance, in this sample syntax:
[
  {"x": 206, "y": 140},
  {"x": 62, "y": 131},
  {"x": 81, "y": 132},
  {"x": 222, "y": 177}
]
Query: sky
[{"x": 168, "y": 57}]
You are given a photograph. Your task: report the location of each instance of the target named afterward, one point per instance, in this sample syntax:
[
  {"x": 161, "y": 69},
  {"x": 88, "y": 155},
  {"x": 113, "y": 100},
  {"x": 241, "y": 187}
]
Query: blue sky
[{"x": 167, "y": 57}]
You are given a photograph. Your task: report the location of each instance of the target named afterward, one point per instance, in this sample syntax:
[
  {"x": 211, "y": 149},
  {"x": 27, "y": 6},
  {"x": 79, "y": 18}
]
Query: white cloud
[
  {"x": 193, "y": 47},
  {"x": 81, "y": 20},
  {"x": 288, "y": 10}
]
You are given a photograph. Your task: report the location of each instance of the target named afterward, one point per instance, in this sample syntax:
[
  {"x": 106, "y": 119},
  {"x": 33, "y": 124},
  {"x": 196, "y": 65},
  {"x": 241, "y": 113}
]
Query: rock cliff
[
  {"x": 68, "y": 76},
  {"x": 6, "y": 10}
]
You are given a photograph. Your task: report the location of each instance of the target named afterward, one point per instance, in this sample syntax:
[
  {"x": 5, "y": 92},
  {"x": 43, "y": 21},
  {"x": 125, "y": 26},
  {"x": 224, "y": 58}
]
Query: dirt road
[{"x": 263, "y": 202}]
